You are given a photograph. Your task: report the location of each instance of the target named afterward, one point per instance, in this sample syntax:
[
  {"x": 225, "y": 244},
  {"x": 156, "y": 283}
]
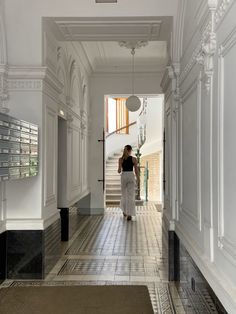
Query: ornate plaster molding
[
  {"x": 70, "y": 120},
  {"x": 3, "y": 89},
  {"x": 29, "y": 85},
  {"x": 205, "y": 56},
  {"x": 133, "y": 44},
  {"x": 222, "y": 9}
]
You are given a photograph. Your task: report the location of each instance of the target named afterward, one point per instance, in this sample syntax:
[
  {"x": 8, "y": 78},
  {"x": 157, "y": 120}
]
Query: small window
[{"x": 117, "y": 116}]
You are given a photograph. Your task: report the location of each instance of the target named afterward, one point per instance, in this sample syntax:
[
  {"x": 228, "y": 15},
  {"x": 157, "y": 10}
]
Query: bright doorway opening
[{"x": 143, "y": 130}]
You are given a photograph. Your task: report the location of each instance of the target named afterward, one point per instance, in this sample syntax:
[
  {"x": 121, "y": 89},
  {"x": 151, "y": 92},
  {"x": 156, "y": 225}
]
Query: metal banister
[{"x": 120, "y": 129}]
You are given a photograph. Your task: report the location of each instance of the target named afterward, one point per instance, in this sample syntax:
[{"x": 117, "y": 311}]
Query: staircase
[{"x": 113, "y": 185}]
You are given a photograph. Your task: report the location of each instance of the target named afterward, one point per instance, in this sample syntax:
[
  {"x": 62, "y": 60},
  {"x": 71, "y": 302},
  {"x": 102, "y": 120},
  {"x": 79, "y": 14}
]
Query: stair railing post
[
  {"x": 138, "y": 155},
  {"x": 146, "y": 181}
]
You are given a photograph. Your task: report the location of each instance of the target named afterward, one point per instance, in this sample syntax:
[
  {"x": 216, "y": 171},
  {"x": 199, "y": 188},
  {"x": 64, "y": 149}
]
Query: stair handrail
[{"x": 120, "y": 129}]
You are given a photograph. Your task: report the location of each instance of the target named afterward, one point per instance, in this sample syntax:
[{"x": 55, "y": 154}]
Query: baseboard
[
  {"x": 31, "y": 254},
  {"x": 2, "y": 256},
  {"x": 223, "y": 294}
]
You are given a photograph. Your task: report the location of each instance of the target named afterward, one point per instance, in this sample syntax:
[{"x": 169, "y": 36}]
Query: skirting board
[{"x": 223, "y": 290}]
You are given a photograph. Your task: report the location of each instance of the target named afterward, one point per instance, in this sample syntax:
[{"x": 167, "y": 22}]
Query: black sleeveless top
[{"x": 127, "y": 164}]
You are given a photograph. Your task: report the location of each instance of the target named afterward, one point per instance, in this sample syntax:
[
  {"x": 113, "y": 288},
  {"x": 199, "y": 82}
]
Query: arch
[
  {"x": 61, "y": 73},
  {"x": 75, "y": 93}
]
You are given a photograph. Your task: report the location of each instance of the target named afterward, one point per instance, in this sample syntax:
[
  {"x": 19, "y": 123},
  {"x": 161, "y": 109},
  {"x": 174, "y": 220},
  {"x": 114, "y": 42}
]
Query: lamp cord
[{"x": 133, "y": 53}]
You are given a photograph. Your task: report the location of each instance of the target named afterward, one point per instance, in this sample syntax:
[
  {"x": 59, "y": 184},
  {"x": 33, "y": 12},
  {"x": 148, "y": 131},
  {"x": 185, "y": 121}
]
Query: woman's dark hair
[{"x": 126, "y": 151}]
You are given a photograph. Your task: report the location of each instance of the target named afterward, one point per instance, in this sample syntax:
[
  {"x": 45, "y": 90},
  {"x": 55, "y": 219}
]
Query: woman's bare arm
[
  {"x": 119, "y": 165},
  {"x": 135, "y": 162}
]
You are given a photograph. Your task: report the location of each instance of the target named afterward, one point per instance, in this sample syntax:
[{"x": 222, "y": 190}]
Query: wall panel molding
[
  {"x": 194, "y": 219},
  {"x": 226, "y": 244},
  {"x": 50, "y": 169}
]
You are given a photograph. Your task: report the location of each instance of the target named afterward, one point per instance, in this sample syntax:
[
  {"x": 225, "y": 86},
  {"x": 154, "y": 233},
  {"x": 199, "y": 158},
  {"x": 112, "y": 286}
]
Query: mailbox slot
[
  {"x": 18, "y": 148},
  {"x": 4, "y": 133},
  {"x": 4, "y": 147},
  {"x": 14, "y": 161},
  {"x": 4, "y": 160}
]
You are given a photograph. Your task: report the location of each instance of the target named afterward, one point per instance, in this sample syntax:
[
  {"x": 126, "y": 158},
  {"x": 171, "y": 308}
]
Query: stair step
[
  {"x": 113, "y": 198},
  {"x": 113, "y": 186},
  {"x": 117, "y": 203}
]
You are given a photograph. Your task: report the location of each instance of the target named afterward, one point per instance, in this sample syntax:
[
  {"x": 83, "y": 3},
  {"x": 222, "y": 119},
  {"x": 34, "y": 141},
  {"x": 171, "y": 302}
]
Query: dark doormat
[{"x": 76, "y": 300}]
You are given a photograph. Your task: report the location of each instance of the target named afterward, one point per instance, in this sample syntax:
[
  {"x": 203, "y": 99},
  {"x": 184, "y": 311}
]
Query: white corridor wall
[{"x": 200, "y": 150}]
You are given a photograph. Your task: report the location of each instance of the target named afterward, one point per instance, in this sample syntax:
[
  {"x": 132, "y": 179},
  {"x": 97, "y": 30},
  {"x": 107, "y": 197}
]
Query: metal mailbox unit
[{"x": 18, "y": 148}]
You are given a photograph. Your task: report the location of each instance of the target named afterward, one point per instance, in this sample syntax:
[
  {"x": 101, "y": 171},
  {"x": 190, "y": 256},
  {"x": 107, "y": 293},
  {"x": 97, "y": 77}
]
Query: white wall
[
  {"x": 200, "y": 150},
  {"x": 74, "y": 102},
  {"x": 110, "y": 84},
  {"x": 116, "y": 142},
  {"x": 37, "y": 94},
  {"x": 154, "y": 128}
]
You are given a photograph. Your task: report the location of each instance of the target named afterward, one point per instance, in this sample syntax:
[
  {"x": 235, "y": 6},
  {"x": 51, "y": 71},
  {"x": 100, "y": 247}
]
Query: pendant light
[{"x": 133, "y": 103}]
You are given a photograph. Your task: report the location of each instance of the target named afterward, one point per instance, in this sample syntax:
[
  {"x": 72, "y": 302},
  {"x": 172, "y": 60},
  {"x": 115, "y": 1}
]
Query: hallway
[{"x": 108, "y": 250}]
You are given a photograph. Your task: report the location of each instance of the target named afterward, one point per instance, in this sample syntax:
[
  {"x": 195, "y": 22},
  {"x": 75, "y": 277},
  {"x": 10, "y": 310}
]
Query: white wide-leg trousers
[{"x": 128, "y": 193}]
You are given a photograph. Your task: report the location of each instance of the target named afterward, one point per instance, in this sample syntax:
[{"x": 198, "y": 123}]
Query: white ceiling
[
  {"x": 110, "y": 57},
  {"x": 79, "y": 29},
  {"x": 113, "y": 29},
  {"x": 100, "y": 36}
]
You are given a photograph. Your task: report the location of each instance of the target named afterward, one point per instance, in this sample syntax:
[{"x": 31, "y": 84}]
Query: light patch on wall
[
  {"x": 62, "y": 113},
  {"x": 106, "y": 1}
]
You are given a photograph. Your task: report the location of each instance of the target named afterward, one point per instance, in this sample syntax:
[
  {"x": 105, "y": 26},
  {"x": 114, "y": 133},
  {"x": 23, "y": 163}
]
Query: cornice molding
[
  {"x": 32, "y": 78},
  {"x": 122, "y": 74},
  {"x": 25, "y": 85},
  {"x": 23, "y": 72}
]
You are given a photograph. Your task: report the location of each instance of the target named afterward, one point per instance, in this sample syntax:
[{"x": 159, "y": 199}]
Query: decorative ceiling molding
[
  {"x": 110, "y": 57},
  {"x": 107, "y": 29},
  {"x": 106, "y": 1},
  {"x": 152, "y": 68},
  {"x": 133, "y": 44}
]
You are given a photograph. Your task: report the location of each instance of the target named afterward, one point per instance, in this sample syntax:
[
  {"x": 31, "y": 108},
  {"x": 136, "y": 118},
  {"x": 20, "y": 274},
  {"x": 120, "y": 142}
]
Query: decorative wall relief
[
  {"x": 205, "y": 56},
  {"x": 3, "y": 89},
  {"x": 69, "y": 122}
]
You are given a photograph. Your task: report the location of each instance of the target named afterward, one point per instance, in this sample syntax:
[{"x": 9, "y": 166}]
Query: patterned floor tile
[{"x": 109, "y": 250}]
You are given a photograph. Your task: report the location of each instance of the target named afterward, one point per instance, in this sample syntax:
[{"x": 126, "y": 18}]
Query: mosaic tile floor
[{"x": 109, "y": 250}]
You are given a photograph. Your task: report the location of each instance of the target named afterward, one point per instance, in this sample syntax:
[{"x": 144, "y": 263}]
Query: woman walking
[{"x": 128, "y": 163}]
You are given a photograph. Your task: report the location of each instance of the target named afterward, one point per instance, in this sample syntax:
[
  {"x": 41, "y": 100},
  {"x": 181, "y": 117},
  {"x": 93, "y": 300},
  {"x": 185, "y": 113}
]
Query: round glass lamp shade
[{"x": 133, "y": 103}]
